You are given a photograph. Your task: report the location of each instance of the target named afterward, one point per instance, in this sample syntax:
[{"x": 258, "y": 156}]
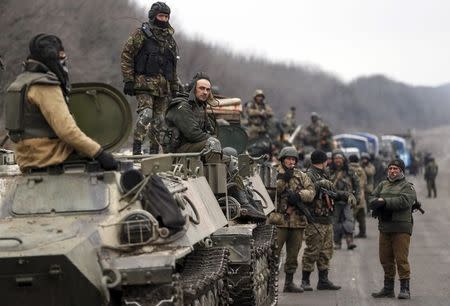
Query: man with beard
[
  {"x": 149, "y": 62},
  {"x": 391, "y": 202},
  {"x": 319, "y": 243},
  {"x": 347, "y": 184},
  {"x": 293, "y": 187},
  {"x": 37, "y": 116}
]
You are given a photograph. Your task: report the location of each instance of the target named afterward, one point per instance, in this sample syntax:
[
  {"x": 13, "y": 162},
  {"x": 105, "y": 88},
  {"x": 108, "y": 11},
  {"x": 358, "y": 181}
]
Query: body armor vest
[
  {"x": 24, "y": 120},
  {"x": 156, "y": 56}
]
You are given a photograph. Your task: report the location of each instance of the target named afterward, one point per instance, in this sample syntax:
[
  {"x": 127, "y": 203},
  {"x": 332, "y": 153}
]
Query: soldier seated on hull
[
  {"x": 39, "y": 121},
  {"x": 191, "y": 128}
]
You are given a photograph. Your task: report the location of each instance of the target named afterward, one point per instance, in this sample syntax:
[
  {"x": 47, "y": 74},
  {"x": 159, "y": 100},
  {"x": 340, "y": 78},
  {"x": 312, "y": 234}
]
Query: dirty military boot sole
[
  {"x": 306, "y": 286},
  {"x": 404, "y": 296},
  {"x": 383, "y": 294},
  {"x": 292, "y": 288}
]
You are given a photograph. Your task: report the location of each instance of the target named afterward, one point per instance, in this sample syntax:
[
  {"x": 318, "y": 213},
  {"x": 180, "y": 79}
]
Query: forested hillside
[{"x": 94, "y": 31}]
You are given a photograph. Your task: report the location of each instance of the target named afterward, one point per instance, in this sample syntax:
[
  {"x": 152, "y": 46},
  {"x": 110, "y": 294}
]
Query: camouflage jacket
[
  {"x": 319, "y": 208},
  {"x": 299, "y": 183},
  {"x": 396, "y": 215},
  {"x": 345, "y": 180},
  {"x": 361, "y": 174},
  {"x": 319, "y": 136},
  {"x": 258, "y": 113},
  {"x": 431, "y": 171},
  {"x": 154, "y": 85},
  {"x": 369, "y": 169}
]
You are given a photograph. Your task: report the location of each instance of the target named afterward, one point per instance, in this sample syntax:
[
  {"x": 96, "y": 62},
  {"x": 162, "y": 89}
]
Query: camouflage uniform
[
  {"x": 319, "y": 136},
  {"x": 369, "y": 169},
  {"x": 431, "y": 171},
  {"x": 360, "y": 210},
  {"x": 290, "y": 231},
  {"x": 289, "y": 122},
  {"x": 258, "y": 116},
  {"x": 345, "y": 181},
  {"x": 154, "y": 81}
]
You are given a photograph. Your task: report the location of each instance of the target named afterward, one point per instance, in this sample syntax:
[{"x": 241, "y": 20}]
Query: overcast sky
[{"x": 407, "y": 40}]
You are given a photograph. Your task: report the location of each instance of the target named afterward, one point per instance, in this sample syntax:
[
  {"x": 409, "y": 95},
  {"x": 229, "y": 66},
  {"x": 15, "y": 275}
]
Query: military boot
[
  {"x": 248, "y": 211},
  {"x": 324, "y": 283},
  {"x": 404, "y": 290},
  {"x": 306, "y": 285},
  {"x": 386, "y": 291},
  {"x": 290, "y": 286},
  {"x": 137, "y": 147},
  {"x": 350, "y": 244}
]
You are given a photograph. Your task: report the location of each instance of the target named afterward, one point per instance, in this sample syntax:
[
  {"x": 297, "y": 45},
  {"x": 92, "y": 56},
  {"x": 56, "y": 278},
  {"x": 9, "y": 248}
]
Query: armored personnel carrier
[{"x": 161, "y": 230}]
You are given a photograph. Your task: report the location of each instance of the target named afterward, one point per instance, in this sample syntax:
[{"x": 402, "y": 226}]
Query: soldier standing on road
[
  {"x": 319, "y": 246},
  {"x": 360, "y": 210},
  {"x": 37, "y": 116},
  {"x": 149, "y": 62},
  {"x": 347, "y": 184},
  {"x": 391, "y": 202},
  {"x": 369, "y": 169},
  {"x": 431, "y": 172},
  {"x": 258, "y": 114},
  {"x": 293, "y": 186}
]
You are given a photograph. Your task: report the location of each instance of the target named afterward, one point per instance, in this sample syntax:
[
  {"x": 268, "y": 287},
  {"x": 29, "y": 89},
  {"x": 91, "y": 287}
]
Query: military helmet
[
  {"x": 288, "y": 152},
  {"x": 365, "y": 155},
  {"x": 157, "y": 8},
  {"x": 258, "y": 92},
  {"x": 315, "y": 115}
]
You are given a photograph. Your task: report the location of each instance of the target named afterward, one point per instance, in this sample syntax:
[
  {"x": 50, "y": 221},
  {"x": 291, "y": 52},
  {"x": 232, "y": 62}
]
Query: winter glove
[
  {"x": 352, "y": 201},
  {"x": 128, "y": 88},
  {"x": 377, "y": 204},
  {"x": 293, "y": 198},
  {"x": 343, "y": 195},
  {"x": 106, "y": 160}
]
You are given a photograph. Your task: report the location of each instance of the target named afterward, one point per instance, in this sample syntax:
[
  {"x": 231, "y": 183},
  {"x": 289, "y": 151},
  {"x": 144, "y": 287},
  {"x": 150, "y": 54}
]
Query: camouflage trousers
[
  {"x": 293, "y": 238},
  {"x": 360, "y": 217},
  {"x": 394, "y": 250},
  {"x": 319, "y": 247},
  {"x": 151, "y": 119}
]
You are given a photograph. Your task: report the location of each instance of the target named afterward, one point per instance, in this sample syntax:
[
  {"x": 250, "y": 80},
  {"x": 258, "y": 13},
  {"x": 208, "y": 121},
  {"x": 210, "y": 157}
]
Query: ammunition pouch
[{"x": 276, "y": 218}]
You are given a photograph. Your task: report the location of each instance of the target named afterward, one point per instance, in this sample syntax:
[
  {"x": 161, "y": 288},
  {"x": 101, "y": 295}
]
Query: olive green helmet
[{"x": 288, "y": 152}]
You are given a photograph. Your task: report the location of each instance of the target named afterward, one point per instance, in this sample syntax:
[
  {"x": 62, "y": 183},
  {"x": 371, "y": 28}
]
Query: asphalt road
[{"x": 359, "y": 271}]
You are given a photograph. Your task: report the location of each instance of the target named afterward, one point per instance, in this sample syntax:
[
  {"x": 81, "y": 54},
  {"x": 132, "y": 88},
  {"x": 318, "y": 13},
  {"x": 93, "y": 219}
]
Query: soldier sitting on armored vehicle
[
  {"x": 190, "y": 127},
  {"x": 37, "y": 115}
]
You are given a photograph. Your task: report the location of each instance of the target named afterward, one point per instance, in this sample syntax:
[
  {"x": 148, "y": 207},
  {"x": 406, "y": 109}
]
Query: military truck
[{"x": 161, "y": 230}]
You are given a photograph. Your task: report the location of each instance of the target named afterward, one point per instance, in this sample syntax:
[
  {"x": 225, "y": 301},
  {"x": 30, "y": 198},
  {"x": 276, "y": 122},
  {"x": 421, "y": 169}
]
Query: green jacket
[
  {"x": 396, "y": 215},
  {"x": 191, "y": 119}
]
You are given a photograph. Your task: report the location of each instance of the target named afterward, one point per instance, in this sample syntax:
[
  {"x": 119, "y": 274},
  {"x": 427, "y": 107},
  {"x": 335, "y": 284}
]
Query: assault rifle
[
  {"x": 303, "y": 210},
  {"x": 328, "y": 196},
  {"x": 417, "y": 206}
]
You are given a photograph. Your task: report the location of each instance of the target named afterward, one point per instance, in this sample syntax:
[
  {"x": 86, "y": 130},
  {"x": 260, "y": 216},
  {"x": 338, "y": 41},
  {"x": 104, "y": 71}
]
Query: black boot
[
  {"x": 290, "y": 286},
  {"x": 137, "y": 147},
  {"x": 324, "y": 283},
  {"x": 350, "y": 244},
  {"x": 404, "y": 290},
  {"x": 248, "y": 211},
  {"x": 386, "y": 291},
  {"x": 306, "y": 285}
]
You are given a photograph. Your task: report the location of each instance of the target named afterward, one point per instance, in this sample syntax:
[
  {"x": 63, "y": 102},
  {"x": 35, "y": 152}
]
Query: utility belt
[{"x": 86, "y": 166}]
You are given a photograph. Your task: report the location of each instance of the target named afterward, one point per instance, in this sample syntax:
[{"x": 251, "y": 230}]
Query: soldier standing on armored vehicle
[
  {"x": 392, "y": 203},
  {"x": 319, "y": 244},
  {"x": 360, "y": 210},
  {"x": 319, "y": 134},
  {"x": 431, "y": 172},
  {"x": 293, "y": 186},
  {"x": 258, "y": 114},
  {"x": 192, "y": 130},
  {"x": 149, "y": 63},
  {"x": 37, "y": 116},
  {"x": 289, "y": 124},
  {"x": 347, "y": 184}
]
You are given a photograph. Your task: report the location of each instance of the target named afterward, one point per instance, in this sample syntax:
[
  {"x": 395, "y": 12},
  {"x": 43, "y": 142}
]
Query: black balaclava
[
  {"x": 157, "y": 8},
  {"x": 45, "y": 48}
]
